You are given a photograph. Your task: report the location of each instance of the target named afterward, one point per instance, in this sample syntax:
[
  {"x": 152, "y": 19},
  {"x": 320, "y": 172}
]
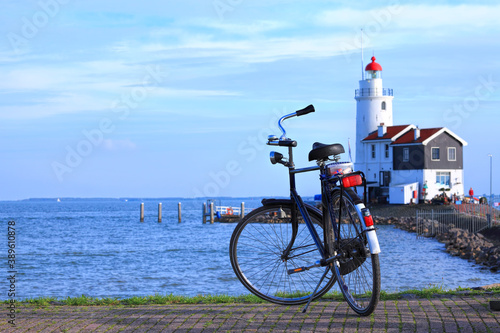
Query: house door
[{"x": 385, "y": 178}]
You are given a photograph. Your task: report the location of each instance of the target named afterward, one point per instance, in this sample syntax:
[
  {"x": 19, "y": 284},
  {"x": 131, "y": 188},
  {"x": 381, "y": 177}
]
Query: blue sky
[{"x": 176, "y": 98}]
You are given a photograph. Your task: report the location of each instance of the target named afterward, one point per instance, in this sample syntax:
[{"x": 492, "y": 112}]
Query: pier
[{"x": 225, "y": 214}]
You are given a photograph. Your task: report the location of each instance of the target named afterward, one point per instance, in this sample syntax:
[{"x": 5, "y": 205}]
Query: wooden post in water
[
  {"x": 204, "y": 213},
  {"x": 159, "y": 212},
  {"x": 179, "y": 212},
  {"x": 211, "y": 213},
  {"x": 242, "y": 213},
  {"x": 142, "y": 212}
]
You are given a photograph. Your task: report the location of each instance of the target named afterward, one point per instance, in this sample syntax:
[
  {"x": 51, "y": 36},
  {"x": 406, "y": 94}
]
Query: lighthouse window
[
  {"x": 386, "y": 151},
  {"x": 435, "y": 154},
  {"x": 373, "y": 151},
  {"x": 383, "y": 105}
]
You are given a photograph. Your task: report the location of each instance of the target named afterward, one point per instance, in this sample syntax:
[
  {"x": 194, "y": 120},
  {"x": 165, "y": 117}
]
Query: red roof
[
  {"x": 391, "y": 132},
  {"x": 408, "y": 137},
  {"x": 373, "y": 66}
]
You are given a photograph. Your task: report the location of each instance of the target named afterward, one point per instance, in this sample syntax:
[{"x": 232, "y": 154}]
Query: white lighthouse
[
  {"x": 402, "y": 163},
  {"x": 373, "y": 108}
]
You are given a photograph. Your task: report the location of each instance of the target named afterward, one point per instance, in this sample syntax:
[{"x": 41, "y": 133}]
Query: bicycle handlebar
[
  {"x": 306, "y": 110},
  {"x": 301, "y": 112}
]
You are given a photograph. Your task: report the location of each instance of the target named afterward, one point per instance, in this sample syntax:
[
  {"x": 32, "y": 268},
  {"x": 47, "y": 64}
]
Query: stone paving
[{"x": 451, "y": 314}]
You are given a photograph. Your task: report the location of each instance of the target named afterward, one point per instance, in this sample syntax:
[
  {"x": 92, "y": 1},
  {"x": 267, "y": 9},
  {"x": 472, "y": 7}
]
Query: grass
[{"x": 83, "y": 300}]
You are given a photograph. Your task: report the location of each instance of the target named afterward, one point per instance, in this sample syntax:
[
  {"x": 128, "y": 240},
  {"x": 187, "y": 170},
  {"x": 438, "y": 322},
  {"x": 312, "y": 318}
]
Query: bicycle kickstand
[{"x": 316, "y": 289}]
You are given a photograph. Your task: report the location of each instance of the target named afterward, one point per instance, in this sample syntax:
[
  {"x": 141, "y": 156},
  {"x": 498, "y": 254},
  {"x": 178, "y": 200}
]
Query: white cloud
[
  {"x": 199, "y": 47},
  {"x": 248, "y": 28},
  {"x": 249, "y": 51},
  {"x": 64, "y": 103},
  {"x": 191, "y": 93},
  {"x": 419, "y": 17},
  {"x": 113, "y": 145}
]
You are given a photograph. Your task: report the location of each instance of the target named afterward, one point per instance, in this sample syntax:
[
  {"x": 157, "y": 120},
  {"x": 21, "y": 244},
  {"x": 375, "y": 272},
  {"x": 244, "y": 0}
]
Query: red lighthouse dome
[{"x": 373, "y": 66}]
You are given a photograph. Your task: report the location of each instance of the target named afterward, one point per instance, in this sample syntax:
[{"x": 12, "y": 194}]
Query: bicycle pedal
[{"x": 297, "y": 270}]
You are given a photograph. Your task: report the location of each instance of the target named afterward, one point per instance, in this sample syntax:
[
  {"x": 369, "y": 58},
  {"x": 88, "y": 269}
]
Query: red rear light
[
  {"x": 368, "y": 220},
  {"x": 350, "y": 181}
]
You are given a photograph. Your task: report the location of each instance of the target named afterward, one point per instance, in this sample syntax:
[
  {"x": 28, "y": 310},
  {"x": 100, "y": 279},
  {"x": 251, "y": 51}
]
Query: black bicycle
[{"x": 277, "y": 253}]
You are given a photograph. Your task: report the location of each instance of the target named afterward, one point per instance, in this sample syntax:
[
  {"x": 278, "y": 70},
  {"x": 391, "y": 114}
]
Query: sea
[{"x": 99, "y": 248}]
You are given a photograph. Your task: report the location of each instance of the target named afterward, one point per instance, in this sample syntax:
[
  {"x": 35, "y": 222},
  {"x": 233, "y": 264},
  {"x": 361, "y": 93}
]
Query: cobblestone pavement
[{"x": 452, "y": 314}]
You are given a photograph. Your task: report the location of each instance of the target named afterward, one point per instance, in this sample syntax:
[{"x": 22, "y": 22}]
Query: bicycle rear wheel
[
  {"x": 358, "y": 271},
  {"x": 257, "y": 255}
]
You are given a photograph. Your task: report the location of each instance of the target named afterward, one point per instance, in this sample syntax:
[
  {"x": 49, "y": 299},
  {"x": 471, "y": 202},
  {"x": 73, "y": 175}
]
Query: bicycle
[{"x": 277, "y": 253}]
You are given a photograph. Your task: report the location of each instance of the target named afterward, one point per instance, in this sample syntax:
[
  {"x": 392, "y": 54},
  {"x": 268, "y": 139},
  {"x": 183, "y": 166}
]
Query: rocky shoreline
[{"x": 459, "y": 242}]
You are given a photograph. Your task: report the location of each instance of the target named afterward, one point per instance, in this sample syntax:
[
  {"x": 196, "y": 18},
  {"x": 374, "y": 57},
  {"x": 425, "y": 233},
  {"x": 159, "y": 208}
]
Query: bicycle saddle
[{"x": 321, "y": 151}]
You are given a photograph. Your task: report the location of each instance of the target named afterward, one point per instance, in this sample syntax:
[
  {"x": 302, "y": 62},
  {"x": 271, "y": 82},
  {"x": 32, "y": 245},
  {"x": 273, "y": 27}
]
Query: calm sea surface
[{"x": 98, "y": 247}]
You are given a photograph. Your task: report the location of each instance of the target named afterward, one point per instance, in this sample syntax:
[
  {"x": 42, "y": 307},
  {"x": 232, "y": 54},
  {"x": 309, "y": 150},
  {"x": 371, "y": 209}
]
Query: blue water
[{"x": 99, "y": 248}]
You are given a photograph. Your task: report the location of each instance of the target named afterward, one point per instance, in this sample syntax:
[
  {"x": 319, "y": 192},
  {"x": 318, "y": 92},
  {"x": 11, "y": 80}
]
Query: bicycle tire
[
  {"x": 256, "y": 249},
  {"x": 358, "y": 272}
]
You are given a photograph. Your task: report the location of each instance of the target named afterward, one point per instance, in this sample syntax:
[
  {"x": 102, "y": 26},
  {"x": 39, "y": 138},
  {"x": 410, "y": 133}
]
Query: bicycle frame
[
  {"x": 270, "y": 244},
  {"x": 328, "y": 217},
  {"x": 295, "y": 197}
]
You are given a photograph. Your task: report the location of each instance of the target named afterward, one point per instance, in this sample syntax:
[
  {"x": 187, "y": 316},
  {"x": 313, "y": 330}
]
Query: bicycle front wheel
[
  {"x": 257, "y": 252},
  {"x": 358, "y": 271}
]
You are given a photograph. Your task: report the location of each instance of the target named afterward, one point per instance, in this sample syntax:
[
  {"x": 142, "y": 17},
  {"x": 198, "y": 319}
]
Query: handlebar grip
[
  {"x": 287, "y": 143},
  {"x": 306, "y": 110}
]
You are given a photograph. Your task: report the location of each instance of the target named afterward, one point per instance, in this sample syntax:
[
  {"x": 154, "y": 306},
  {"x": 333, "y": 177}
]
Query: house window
[
  {"x": 383, "y": 105},
  {"x": 443, "y": 178},
  {"x": 452, "y": 154},
  {"x": 386, "y": 151},
  {"x": 406, "y": 154},
  {"x": 435, "y": 154},
  {"x": 373, "y": 151}
]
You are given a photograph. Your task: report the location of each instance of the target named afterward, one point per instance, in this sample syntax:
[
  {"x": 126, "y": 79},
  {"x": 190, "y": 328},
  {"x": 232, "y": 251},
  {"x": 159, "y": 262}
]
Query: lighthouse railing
[{"x": 367, "y": 92}]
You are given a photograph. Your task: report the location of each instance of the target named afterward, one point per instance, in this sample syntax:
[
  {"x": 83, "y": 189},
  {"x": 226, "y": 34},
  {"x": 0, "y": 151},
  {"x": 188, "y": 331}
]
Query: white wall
[
  {"x": 456, "y": 182},
  {"x": 403, "y": 194},
  {"x": 372, "y": 167},
  {"x": 429, "y": 176}
]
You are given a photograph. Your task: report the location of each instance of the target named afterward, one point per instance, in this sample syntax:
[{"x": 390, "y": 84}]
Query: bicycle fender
[
  {"x": 372, "y": 238},
  {"x": 370, "y": 233},
  {"x": 267, "y": 202}
]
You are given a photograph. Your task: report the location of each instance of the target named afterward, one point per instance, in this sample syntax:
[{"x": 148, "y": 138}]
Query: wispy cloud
[
  {"x": 419, "y": 17},
  {"x": 196, "y": 48},
  {"x": 246, "y": 29},
  {"x": 191, "y": 93},
  {"x": 114, "y": 145}
]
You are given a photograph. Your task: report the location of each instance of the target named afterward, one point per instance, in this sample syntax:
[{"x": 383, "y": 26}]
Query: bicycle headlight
[{"x": 275, "y": 157}]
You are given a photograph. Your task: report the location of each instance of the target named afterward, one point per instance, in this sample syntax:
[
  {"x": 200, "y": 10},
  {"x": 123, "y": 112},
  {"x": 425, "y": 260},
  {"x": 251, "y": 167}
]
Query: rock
[
  {"x": 465, "y": 255},
  {"x": 490, "y": 286},
  {"x": 458, "y": 242}
]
